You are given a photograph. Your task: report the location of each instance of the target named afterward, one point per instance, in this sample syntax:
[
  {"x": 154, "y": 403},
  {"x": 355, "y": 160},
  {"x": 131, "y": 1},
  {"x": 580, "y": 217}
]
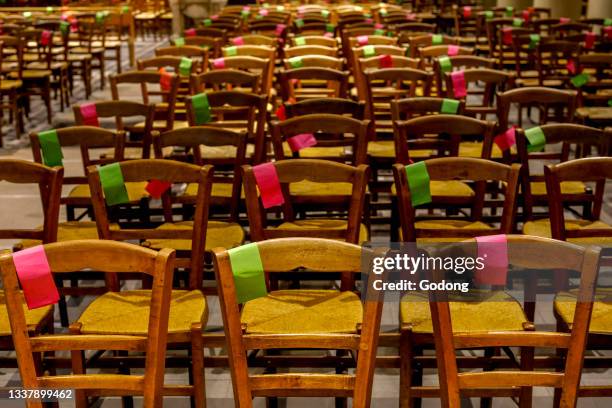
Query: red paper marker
[
  {"x": 280, "y": 112},
  {"x": 564, "y": 20},
  {"x": 238, "y": 41},
  {"x": 301, "y": 141},
  {"x": 35, "y": 276},
  {"x": 507, "y": 35},
  {"x": 493, "y": 249},
  {"x": 467, "y": 12},
  {"x": 90, "y": 114},
  {"x": 589, "y": 40},
  {"x": 190, "y": 32},
  {"x": 571, "y": 66},
  {"x": 269, "y": 185},
  {"x": 165, "y": 80},
  {"x": 453, "y": 50},
  {"x": 157, "y": 187},
  {"x": 45, "y": 37},
  {"x": 507, "y": 139},
  {"x": 385, "y": 61},
  {"x": 219, "y": 63},
  {"x": 459, "y": 88}
]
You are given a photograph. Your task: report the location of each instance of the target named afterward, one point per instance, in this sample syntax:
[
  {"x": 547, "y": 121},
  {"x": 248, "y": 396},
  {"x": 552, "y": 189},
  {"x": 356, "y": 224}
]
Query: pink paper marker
[
  {"x": 219, "y": 63},
  {"x": 90, "y": 114},
  {"x": 328, "y": 35},
  {"x": 467, "y": 12},
  {"x": 507, "y": 139},
  {"x": 45, "y": 37},
  {"x": 269, "y": 185},
  {"x": 589, "y": 40},
  {"x": 458, "y": 78},
  {"x": 526, "y": 14},
  {"x": 301, "y": 141},
  {"x": 379, "y": 26},
  {"x": 190, "y": 32},
  {"x": 453, "y": 50},
  {"x": 369, "y": 21},
  {"x": 238, "y": 41},
  {"x": 280, "y": 28},
  {"x": 571, "y": 66},
  {"x": 362, "y": 40},
  {"x": 564, "y": 20},
  {"x": 493, "y": 249},
  {"x": 263, "y": 12},
  {"x": 410, "y": 16},
  {"x": 35, "y": 276}
]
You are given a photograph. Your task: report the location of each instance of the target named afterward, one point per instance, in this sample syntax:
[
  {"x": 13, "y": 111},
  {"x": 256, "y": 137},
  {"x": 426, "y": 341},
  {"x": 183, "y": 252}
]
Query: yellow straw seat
[
  {"x": 541, "y": 228},
  {"x": 303, "y": 312},
  {"x": 315, "y": 152},
  {"x": 33, "y": 317},
  {"x": 474, "y": 149},
  {"x": 322, "y": 223},
  {"x": 310, "y": 188},
  {"x": 499, "y": 312},
  {"x": 601, "y": 319},
  {"x": 71, "y": 231},
  {"x": 127, "y": 312},
  {"x": 385, "y": 149},
  {"x": 218, "y": 234},
  {"x": 224, "y": 152},
  {"x": 135, "y": 190},
  {"x": 453, "y": 188},
  {"x": 567, "y": 187},
  {"x": 218, "y": 190}
]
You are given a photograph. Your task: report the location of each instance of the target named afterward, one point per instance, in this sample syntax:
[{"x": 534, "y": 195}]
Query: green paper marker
[
  {"x": 580, "y": 80},
  {"x": 51, "y": 148},
  {"x": 436, "y": 39},
  {"x": 325, "y": 13},
  {"x": 185, "y": 66},
  {"x": 179, "y": 42},
  {"x": 418, "y": 181},
  {"x": 113, "y": 184},
  {"x": 517, "y": 22},
  {"x": 379, "y": 31},
  {"x": 330, "y": 28},
  {"x": 509, "y": 11},
  {"x": 299, "y": 41},
  {"x": 536, "y": 139},
  {"x": 231, "y": 51},
  {"x": 449, "y": 106},
  {"x": 299, "y": 23},
  {"x": 296, "y": 62},
  {"x": 488, "y": 15},
  {"x": 207, "y": 22},
  {"x": 534, "y": 39},
  {"x": 369, "y": 51},
  {"x": 201, "y": 108},
  {"x": 249, "y": 276},
  {"x": 608, "y": 22},
  {"x": 445, "y": 64},
  {"x": 49, "y": 10},
  {"x": 125, "y": 9}
]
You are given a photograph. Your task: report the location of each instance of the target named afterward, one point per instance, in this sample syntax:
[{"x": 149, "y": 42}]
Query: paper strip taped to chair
[
  {"x": 507, "y": 35},
  {"x": 51, "y": 148},
  {"x": 436, "y": 39},
  {"x": 330, "y": 28},
  {"x": 534, "y": 40},
  {"x": 238, "y": 41},
  {"x": 411, "y": 16},
  {"x": 263, "y": 12},
  {"x": 299, "y": 41},
  {"x": 362, "y": 40},
  {"x": 156, "y": 188},
  {"x": 517, "y": 22},
  {"x": 249, "y": 276},
  {"x": 453, "y": 50},
  {"x": 269, "y": 185},
  {"x": 35, "y": 277},
  {"x": 580, "y": 80},
  {"x": 301, "y": 141},
  {"x": 418, "y": 181},
  {"x": 506, "y": 140},
  {"x": 185, "y": 66},
  {"x": 45, "y": 37},
  {"x": 179, "y": 42},
  {"x": 445, "y": 64},
  {"x": 449, "y": 106},
  {"x": 219, "y": 63},
  {"x": 89, "y": 112},
  {"x": 385, "y": 61},
  {"x": 296, "y": 62},
  {"x": 299, "y": 23},
  {"x": 379, "y": 31},
  {"x": 493, "y": 249},
  {"x": 509, "y": 11},
  {"x": 536, "y": 138},
  {"x": 201, "y": 109},
  {"x": 459, "y": 87},
  {"x": 207, "y": 22},
  {"x": 113, "y": 184},
  {"x": 488, "y": 15},
  {"x": 165, "y": 80},
  {"x": 280, "y": 28},
  {"x": 281, "y": 113},
  {"x": 369, "y": 51},
  {"x": 467, "y": 12},
  {"x": 589, "y": 40},
  {"x": 191, "y": 32}
]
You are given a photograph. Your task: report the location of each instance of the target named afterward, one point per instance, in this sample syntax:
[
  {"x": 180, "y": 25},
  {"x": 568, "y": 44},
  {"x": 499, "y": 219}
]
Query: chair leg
[
  {"x": 46, "y": 94},
  {"x": 78, "y": 367},
  {"x": 406, "y": 353},
  {"x": 118, "y": 59},
  {"x": 197, "y": 358},
  {"x": 102, "y": 72},
  {"x": 525, "y": 400}
]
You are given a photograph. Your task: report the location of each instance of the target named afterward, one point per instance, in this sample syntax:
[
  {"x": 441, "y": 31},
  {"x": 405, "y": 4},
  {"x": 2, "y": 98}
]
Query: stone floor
[{"x": 19, "y": 207}]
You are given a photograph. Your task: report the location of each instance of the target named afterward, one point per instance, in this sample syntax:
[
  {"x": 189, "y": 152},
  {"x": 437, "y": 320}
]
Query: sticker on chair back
[
  {"x": 493, "y": 249},
  {"x": 507, "y": 139},
  {"x": 34, "y": 274},
  {"x": 113, "y": 185},
  {"x": 201, "y": 109},
  {"x": 536, "y": 138},
  {"x": 89, "y": 112},
  {"x": 51, "y": 148},
  {"x": 249, "y": 276},
  {"x": 301, "y": 141},
  {"x": 449, "y": 106},
  {"x": 459, "y": 86},
  {"x": 267, "y": 180},
  {"x": 156, "y": 188},
  {"x": 418, "y": 181}
]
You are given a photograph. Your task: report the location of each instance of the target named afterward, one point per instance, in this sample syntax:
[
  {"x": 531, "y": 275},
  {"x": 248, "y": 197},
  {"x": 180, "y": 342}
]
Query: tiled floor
[{"x": 19, "y": 207}]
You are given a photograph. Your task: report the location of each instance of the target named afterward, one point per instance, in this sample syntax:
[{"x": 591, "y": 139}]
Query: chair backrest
[
  {"x": 479, "y": 171},
  {"x": 335, "y": 106},
  {"x": 457, "y": 62},
  {"x": 331, "y": 133},
  {"x": 285, "y": 255},
  {"x": 49, "y": 181},
  {"x": 225, "y": 79},
  {"x": 408, "y": 108},
  {"x": 101, "y": 256},
  {"x": 597, "y": 170},
  {"x": 302, "y": 50},
  {"x": 190, "y": 51},
  {"x": 254, "y": 65},
  {"x": 168, "y": 61},
  {"x": 428, "y": 40},
  {"x": 212, "y": 45},
  {"x": 254, "y": 39},
  {"x": 314, "y": 40},
  {"x": 552, "y": 58},
  {"x": 145, "y": 170},
  {"x": 334, "y": 83},
  {"x": 525, "y": 252}
]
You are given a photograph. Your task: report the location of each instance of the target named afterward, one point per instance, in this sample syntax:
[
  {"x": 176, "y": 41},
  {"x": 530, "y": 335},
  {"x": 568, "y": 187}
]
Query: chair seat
[
  {"x": 224, "y": 152},
  {"x": 311, "y": 188},
  {"x": 71, "y": 231},
  {"x": 33, "y": 317},
  {"x": 601, "y": 318},
  {"x": 133, "y": 153},
  {"x": 541, "y": 228},
  {"x": 552, "y": 83},
  {"x": 447, "y": 225},
  {"x": 314, "y": 152},
  {"x": 7, "y": 84},
  {"x": 595, "y": 112},
  {"x": 303, "y": 312},
  {"x": 386, "y": 149},
  {"x": 86, "y": 50},
  {"x": 499, "y": 312},
  {"x": 567, "y": 187},
  {"x": 218, "y": 190},
  {"x": 31, "y": 74},
  {"x": 135, "y": 190},
  {"x": 127, "y": 312},
  {"x": 474, "y": 149},
  {"x": 218, "y": 234},
  {"x": 452, "y": 188},
  {"x": 160, "y": 124},
  {"x": 43, "y": 65},
  {"x": 322, "y": 223}
]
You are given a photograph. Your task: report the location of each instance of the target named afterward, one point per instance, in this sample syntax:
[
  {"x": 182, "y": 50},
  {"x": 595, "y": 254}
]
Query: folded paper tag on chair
[
  {"x": 185, "y": 66},
  {"x": 325, "y": 13},
  {"x": 536, "y": 138},
  {"x": 607, "y": 22},
  {"x": 410, "y": 16},
  {"x": 580, "y": 80},
  {"x": 571, "y": 66},
  {"x": 506, "y": 140},
  {"x": 179, "y": 42},
  {"x": 418, "y": 181},
  {"x": 51, "y": 148},
  {"x": 369, "y": 51},
  {"x": 263, "y": 12},
  {"x": 49, "y": 10},
  {"x": 230, "y": 51},
  {"x": 467, "y": 12},
  {"x": 280, "y": 8},
  {"x": 27, "y": 14},
  {"x": 436, "y": 39},
  {"x": 207, "y": 22},
  {"x": 608, "y": 32},
  {"x": 219, "y": 63},
  {"x": 459, "y": 88},
  {"x": 299, "y": 23},
  {"x": 379, "y": 31},
  {"x": 526, "y": 15},
  {"x": 509, "y": 11},
  {"x": 45, "y": 37},
  {"x": 385, "y": 61},
  {"x": 445, "y": 64},
  {"x": 165, "y": 80},
  {"x": 493, "y": 249},
  {"x": 245, "y": 12},
  {"x": 362, "y": 40},
  {"x": 330, "y": 28},
  {"x": 299, "y": 41},
  {"x": 280, "y": 28},
  {"x": 191, "y": 32},
  {"x": 125, "y": 9},
  {"x": 449, "y": 106},
  {"x": 534, "y": 40},
  {"x": 379, "y": 26},
  {"x": 249, "y": 276},
  {"x": 269, "y": 185},
  {"x": 89, "y": 114},
  {"x": 238, "y": 41},
  {"x": 453, "y": 50},
  {"x": 74, "y": 26},
  {"x": 64, "y": 27},
  {"x": 488, "y": 15},
  {"x": 156, "y": 188},
  {"x": 589, "y": 40},
  {"x": 34, "y": 274},
  {"x": 564, "y": 20},
  {"x": 301, "y": 141},
  {"x": 201, "y": 109},
  {"x": 280, "y": 113},
  {"x": 507, "y": 35},
  {"x": 296, "y": 62},
  {"x": 113, "y": 184},
  {"x": 517, "y": 22}
]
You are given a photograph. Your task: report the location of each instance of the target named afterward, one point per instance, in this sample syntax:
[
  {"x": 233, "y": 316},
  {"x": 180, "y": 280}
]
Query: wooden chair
[
  {"x": 456, "y": 62},
  {"x": 302, "y": 50},
  {"x": 238, "y": 111},
  {"x": 552, "y": 58},
  {"x": 91, "y": 41},
  {"x": 427, "y": 54},
  {"x": 334, "y": 106},
  {"x": 535, "y": 194},
  {"x": 449, "y": 336},
  {"x": 244, "y": 333},
  {"x": 226, "y": 80},
  {"x": 164, "y": 110},
  {"x": 188, "y": 306},
  {"x": 258, "y": 51},
  {"x": 311, "y": 82},
  {"x": 259, "y": 67},
  {"x": 126, "y": 111},
  {"x": 212, "y": 45},
  {"x": 12, "y": 91},
  {"x": 415, "y": 43},
  {"x": 314, "y": 40},
  {"x": 322, "y": 173},
  {"x": 408, "y": 108},
  {"x": 108, "y": 257},
  {"x": 198, "y": 54},
  {"x": 416, "y": 332},
  {"x": 48, "y": 181},
  {"x": 255, "y": 39}
]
